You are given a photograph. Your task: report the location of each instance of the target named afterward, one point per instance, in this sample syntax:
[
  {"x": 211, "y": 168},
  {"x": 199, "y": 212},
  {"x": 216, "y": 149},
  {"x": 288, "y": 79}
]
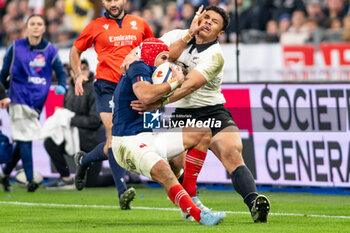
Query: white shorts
[{"x": 139, "y": 153}]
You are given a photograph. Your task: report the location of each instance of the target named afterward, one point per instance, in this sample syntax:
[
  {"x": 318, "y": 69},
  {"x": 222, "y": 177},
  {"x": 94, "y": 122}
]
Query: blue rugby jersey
[{"x": 127, "y": 121}]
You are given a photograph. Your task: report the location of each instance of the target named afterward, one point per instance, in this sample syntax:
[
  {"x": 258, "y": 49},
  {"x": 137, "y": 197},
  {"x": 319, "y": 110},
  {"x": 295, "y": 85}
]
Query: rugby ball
[
  {"x": 162, "y": 74},
  {"x": 21, "y": 178}
]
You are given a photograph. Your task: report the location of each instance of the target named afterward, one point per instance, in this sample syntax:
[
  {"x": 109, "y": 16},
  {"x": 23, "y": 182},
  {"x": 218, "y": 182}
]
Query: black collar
[
  {"x": 201, "y": 47},
  {"x": 43, "y": 43},
  {"x": 119, "y": 21}
]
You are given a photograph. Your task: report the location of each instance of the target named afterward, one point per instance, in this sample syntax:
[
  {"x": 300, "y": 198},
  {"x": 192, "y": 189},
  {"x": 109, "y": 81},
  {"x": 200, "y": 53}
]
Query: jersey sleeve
[
  {"x": 138, "y": 72},
  {"x": 86, "y": 38},
  {"x": 210, "y": 65},
  {"x": 148, "y": 32},
  {"x": 5, "y": 70},
  {"x": 173, "y": 36},
  {"x": 2, "y": 92}
]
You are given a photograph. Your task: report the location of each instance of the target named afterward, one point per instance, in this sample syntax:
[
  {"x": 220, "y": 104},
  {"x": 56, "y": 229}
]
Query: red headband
[{"x": 150, "y": 49}]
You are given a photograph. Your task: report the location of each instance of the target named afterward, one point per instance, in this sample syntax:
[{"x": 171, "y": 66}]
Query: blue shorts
[{"x": 103, "y": 95}]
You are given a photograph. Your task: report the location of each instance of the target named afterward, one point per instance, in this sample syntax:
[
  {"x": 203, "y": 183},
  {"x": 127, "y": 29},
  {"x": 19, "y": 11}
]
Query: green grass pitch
[{"x": 95, "y": 210}]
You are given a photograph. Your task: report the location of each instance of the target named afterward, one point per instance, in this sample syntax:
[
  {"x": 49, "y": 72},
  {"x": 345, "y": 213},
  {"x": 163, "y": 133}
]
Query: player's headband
[{"x": 150, "y": 49}]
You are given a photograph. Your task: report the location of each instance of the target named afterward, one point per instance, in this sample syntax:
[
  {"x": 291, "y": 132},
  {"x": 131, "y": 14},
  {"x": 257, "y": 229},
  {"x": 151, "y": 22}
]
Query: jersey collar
[
  {"x": 119, "y": 21},
  {"x": 201, "y": 47},
  {"x": 43, "y": 43}
]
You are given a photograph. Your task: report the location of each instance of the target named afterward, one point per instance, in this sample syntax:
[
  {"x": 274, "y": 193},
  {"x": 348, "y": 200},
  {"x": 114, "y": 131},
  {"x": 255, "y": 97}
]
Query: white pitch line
[{"x": 163, "y": 209}]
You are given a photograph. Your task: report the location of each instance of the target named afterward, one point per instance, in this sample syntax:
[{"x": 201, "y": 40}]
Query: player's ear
[{"x": 221, "y": 33}]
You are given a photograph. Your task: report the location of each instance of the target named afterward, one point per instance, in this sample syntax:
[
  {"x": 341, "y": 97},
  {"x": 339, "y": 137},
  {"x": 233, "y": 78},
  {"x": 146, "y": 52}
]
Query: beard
[{"x": 116, "y": 15}]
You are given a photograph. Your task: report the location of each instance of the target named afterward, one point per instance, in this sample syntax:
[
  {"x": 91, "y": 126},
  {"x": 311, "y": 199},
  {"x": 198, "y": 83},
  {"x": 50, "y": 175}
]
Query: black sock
[{"x": 244, "y": 184}]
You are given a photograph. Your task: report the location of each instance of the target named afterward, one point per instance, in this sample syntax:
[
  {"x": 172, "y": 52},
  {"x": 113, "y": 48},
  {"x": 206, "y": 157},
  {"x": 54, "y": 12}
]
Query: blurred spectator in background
[
  {"x": 148, "y": 16},
  {"x": 60, "y": 7},
  {"x": 138, "y": 4},
  {"x": 171, "y": 11},
  {"x": 314, "y": 11},
  {"x": 284, "y": 22},
  {"x": 249, "y": 18},
  {"x": 280, "y": 7},
  {"x": 333, "y": 30},
  {"x": 64, "y": 39},
  {"x": 336, "y": 9},
  {"x": 195, "y": 3},
  {"x": 314, "y": 34},
  {"x": 187, "y": 14},
  {"x": 52, "y": 14},
  {"x": 163, "y": 16},
  {"x": 53, "y": 26},
  {"x": 24, "y": 10},
  {"x": 219, "y": 3},
  {"x": 297, "y": 34},
  {"x": 90, "y": 127},
  {"x": 170, "y": 20},
  {"x": 13, "y": 23},
  {"x": 272, "y": 33},
  {"x": 346, "y": 29}
]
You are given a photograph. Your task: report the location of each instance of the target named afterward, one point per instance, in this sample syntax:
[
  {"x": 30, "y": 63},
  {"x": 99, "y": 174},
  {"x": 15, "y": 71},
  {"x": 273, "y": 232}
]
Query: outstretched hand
[{"x": 195, "y": 25}]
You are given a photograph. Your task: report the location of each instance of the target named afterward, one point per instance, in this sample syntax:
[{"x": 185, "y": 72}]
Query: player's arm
[
  {"x": 194, "y": 80},
  {"x": 148, "y": 93},
  {"x": 129, "y": 59},
  {"x": 79, "y": 78},
  {"x": 60, "y": 75},
  {"x": 176, "y": 48},
  {"x": 83, "y": 42}
]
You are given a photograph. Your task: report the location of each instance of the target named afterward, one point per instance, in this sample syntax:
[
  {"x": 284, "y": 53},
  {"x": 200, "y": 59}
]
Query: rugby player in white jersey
[{"x": 198, "y": 52}]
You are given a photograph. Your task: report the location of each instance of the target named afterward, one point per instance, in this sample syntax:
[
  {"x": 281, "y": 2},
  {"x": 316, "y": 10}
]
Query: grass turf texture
[{"x": 75, "y": 212}]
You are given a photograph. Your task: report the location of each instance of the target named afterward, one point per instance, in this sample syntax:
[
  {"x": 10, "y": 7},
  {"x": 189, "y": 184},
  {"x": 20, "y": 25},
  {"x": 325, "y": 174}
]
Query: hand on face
[{"x": 195, "y": 25}]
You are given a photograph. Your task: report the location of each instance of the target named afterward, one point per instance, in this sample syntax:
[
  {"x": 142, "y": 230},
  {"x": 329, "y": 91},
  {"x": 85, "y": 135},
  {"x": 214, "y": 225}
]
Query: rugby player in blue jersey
[
  {"x": 139, "y": 150},
  {"x": 198, "y": 52}
]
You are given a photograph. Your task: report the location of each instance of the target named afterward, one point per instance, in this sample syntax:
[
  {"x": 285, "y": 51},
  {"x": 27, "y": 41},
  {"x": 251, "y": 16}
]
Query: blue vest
[
  {"x": 127, "y": 121},
  {"x": 31, "y": 71}
]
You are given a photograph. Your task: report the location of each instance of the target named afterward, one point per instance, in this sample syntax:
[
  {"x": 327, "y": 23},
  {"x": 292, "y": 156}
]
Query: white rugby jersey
[{"x": 208, "y": 59}]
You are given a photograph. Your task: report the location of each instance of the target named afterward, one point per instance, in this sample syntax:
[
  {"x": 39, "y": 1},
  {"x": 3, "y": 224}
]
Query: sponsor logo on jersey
[
  {"x": 133, "y": 25},
  {"x": 106, "y": 26},
  {"x": 122, "y": 40},
  {"x": 37, "y": 63},
  {"x": 37, "y": 80}
]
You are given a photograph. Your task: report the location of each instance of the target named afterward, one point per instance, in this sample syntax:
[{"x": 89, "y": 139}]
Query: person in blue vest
[{"x": 27, "y": 73}]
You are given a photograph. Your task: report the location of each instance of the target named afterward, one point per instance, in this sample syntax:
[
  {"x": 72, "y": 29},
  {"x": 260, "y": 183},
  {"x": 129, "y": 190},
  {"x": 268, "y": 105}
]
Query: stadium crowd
[{"x": 263, "y": 21}]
